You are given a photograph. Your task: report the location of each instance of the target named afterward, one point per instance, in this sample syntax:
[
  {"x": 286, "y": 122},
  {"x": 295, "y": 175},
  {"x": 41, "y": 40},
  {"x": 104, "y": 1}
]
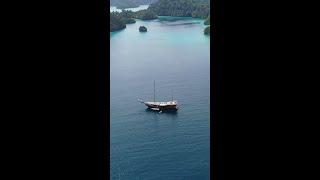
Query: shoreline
[{"x": 173, "y": 17}]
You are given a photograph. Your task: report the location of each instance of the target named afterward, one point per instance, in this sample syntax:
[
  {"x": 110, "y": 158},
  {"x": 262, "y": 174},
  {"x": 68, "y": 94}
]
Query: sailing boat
[{"x": 160, "y": 106}]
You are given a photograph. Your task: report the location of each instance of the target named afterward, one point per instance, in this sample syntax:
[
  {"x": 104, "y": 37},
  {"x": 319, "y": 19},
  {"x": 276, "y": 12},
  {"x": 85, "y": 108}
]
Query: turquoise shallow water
[{"x": 149, "y": 145}]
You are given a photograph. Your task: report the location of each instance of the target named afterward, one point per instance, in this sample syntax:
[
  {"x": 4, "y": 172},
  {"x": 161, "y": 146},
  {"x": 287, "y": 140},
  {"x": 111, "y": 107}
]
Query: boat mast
[
  {"x": 154, "y": 90},
  {"x": 171, "y": 95}
]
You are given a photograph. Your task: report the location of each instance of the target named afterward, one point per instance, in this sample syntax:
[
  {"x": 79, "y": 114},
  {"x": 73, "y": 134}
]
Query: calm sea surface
[
  {"x": 141, "y": 7},
  {"x": 148, "y": 145}
]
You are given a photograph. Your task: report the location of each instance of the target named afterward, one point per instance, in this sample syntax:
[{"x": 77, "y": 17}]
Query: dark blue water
[{"x": 145, "y": 144}]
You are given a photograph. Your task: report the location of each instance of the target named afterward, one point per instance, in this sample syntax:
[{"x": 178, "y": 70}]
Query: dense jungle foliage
[
  {"x": 180, "y": 8},
  {"x": 207, "y": 30}
]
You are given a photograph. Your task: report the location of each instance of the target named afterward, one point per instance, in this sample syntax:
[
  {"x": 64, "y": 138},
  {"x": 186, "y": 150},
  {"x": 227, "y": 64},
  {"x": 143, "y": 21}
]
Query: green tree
[
  {"x": 181, "y": 8},
  {"x": 145, "y": 15},
  {"x": 116, "y": 22},
  {"x": 207, "y": 30}
]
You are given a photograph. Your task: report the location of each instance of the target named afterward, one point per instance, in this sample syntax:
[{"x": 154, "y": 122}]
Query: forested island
[
  {"x": 179, "y": 8},
  {"x": 143, "y": 29},
  {"x": 118, "y": 20}
]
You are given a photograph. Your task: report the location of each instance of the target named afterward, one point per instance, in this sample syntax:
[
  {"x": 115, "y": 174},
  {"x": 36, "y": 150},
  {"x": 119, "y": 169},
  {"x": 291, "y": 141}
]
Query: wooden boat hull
[{"x": 162, "y": 108}]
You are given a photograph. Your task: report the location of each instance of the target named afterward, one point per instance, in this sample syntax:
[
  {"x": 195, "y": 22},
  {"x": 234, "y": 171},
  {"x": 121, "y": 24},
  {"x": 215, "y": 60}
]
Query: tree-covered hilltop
[
  {"x": 127, "y": 13},
  {"x": 202, "y": 11},
  {"x": 145, "y": 14},
  {"x": 181, "y": 8},
  {"x": 122, "y": 4},
  {"x": 116, "y": 22},
  {"x": 127, "y": 16}
]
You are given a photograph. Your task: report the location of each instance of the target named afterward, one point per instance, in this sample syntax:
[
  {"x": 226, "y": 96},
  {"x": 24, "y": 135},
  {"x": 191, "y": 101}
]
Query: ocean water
[
  {"x": 141, "y": 7},
  {"x": 150, "y": 145}
]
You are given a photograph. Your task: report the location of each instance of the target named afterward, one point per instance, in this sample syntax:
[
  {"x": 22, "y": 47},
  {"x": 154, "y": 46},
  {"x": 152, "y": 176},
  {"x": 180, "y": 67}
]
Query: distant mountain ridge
[
  {"x": 130, "y": 3},
  {"x": 136, "y": 3}
]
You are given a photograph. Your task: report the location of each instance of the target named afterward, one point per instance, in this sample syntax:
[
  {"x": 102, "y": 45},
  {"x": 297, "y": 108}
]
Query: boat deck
[{"x": 169, "y": 103}]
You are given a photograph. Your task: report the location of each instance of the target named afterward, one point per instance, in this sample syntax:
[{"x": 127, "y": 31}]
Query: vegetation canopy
[
  {"x": 179, "y": 8},
  {"x": 142, "y": 29},
  {"x": 207, "y": 30},
  {"x": 145, "y": 15},
  {"x": 116, "y": 22}
]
